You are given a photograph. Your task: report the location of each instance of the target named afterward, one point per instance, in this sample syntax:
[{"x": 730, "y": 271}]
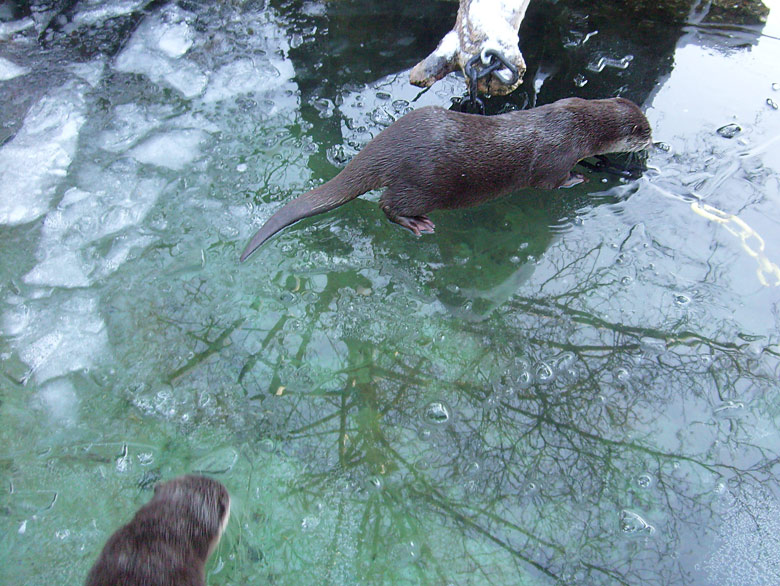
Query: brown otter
[
  {"x": 169, "y": 539},
  {"x": 434, "y": 158}
]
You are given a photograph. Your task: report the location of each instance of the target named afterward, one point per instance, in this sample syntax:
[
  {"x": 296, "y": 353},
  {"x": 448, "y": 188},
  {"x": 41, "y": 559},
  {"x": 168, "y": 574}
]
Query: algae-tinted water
[{"x": 576, "y": 387}]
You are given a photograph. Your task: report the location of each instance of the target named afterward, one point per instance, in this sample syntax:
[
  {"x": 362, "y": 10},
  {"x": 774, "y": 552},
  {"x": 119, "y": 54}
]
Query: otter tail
[{"x": 319, "y": 200}]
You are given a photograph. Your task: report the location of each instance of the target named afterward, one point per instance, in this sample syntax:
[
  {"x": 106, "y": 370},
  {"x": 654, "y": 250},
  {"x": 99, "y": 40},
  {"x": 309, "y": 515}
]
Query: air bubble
[
  {"x": 644, "y": 480},
  {"x": 729, "y": 130},
  {"x": 564, "y": 361},
  {"x": 544, "y": 374},
  {"x": 622, "y": 374},
  {"x": 681, "y": 300},
  {"x": 382, "y": 117},
  {"x": 633, "y": 524},
  {"x": 652, "y": 346},
  {"x": 437, "y": 413},
  {"x": 598, "y": 65},
  {"x": 729, "y": 409}
]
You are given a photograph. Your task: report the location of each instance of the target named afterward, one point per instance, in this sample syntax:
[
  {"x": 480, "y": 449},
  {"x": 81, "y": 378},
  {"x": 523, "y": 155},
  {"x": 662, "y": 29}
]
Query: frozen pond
[{"x": 577, "y": 387}]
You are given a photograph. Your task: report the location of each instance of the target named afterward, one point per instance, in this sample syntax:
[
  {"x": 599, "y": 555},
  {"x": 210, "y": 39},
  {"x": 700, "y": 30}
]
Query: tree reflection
[{"x": 579, "y": 448}]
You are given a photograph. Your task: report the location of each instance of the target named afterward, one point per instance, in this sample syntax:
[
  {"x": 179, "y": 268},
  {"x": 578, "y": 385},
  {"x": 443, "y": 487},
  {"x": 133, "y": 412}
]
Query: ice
[
  {"x": 9, "y": 70},
  {"x": 60, "y": 400},
  {"x": 156, "y": 50},
  {"x": 64, "y": 269},
  {"x": 33, "y": 163},
  {"x": 8, "y": 29},
  {"x": 749, "y": 541},
  {"x": 244, "y": 76},
  {"x": 175, "y": 40},
  {"x": 66, "y": 337},
  {"x": 129, "y": 124},
  {"x": 174, "y": 149},
  {"x": 91, "y": 72},
  {"x": 96, "y": 11},
  {"x": 85, "y": 217}
]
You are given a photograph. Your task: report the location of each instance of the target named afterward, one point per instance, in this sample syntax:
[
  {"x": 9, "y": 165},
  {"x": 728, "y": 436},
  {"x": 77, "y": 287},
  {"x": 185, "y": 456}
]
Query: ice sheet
[
  {"x": 10, "y": 70},
  {"x": 34, "y": 162}
]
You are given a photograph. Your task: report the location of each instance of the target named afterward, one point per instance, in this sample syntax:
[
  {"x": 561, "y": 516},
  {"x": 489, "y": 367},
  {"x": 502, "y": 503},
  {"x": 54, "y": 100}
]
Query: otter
[
  {"x": 433, "y": 158},
  {"x": 169, "y": 539}
]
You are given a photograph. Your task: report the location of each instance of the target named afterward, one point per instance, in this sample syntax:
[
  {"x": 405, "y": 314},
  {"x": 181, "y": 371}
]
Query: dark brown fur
[
  {"x": 434, "y": 158},
  {"x": 169, "y": 539}
]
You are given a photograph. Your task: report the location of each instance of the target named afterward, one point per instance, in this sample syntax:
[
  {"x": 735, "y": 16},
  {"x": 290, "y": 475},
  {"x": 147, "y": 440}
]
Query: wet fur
[
  {"x": 434, "y": 158},
  {"x": 169, "y": 539}
]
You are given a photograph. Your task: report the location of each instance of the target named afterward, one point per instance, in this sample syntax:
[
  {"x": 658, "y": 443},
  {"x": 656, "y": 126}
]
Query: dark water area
[{"x": 568, "y": 387}]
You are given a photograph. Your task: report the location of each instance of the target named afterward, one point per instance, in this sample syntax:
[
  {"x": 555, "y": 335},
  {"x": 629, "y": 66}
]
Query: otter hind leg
[
  {"x": 406, "y": 212},
  {"x": 572, "y": 180},
  {"x": 417, "y": 224}
]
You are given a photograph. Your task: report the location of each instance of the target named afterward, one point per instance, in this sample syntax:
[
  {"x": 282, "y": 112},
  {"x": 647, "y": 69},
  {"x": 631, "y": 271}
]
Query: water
[{"x": 576, "y": 387}]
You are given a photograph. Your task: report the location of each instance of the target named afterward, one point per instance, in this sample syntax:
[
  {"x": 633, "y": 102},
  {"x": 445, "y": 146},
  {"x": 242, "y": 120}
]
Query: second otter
[
  {"x": 434, "y": 158},
  {"x": 169, "y": 539}
]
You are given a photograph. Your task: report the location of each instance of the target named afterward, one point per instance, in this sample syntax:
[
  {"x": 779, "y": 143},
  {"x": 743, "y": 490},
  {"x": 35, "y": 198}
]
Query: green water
[{"x": 574, "y": 387}]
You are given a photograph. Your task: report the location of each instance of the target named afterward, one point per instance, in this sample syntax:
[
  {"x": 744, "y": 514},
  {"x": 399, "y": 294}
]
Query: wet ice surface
[{"x": 565, "y": 388}]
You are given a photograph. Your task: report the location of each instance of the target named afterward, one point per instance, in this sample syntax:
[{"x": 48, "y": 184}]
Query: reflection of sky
[
  {"x": 723, "y": 76},
  {"x": 710, "y": 85}
]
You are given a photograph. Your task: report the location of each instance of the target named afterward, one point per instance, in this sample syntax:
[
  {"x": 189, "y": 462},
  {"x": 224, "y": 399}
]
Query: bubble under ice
[{"x": 47, "y": 139}]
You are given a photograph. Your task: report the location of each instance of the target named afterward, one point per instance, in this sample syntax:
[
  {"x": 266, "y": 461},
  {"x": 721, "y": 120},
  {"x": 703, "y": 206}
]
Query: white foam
[
  {"x": 33, "y": 163},
  {"x": 174, "y": 149},
  {"x": 10, "y": 70}
]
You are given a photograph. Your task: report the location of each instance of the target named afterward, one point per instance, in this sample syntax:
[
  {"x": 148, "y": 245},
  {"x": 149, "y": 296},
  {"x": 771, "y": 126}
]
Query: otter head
[
  {"x": 630, "y": 130},
  {"x": 203, "y": 505}
]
